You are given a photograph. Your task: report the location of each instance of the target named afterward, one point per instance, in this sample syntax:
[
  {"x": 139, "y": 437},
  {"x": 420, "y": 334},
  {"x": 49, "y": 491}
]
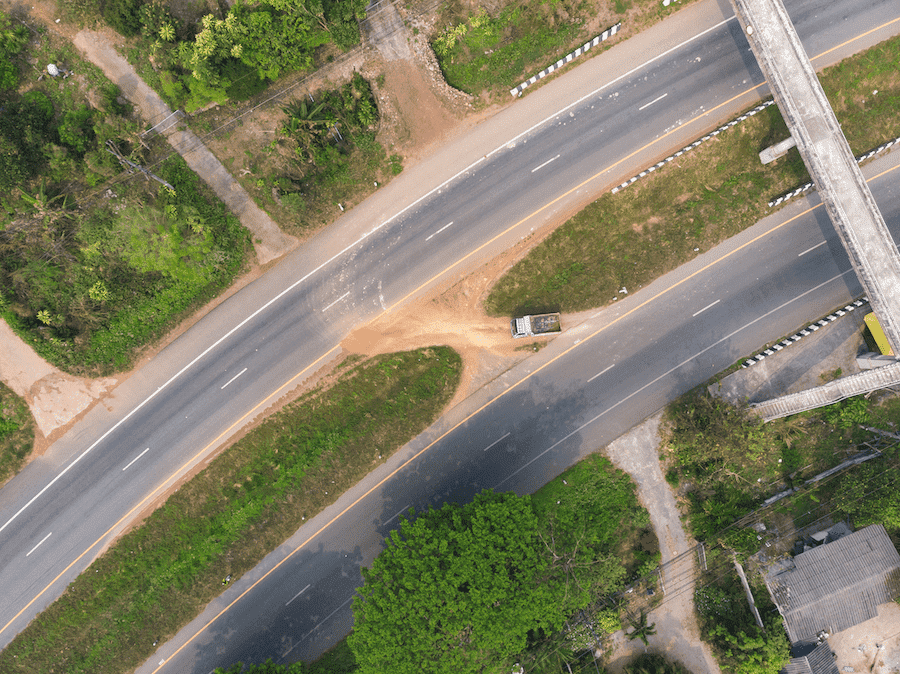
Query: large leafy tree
[
  {"x": 268, "y": 667},
  {"x": 13, "y": 39},
  {"x": 455, "y": 589}
]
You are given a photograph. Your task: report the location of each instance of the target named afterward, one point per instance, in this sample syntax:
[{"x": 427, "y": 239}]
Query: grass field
[
  {"x": 16, "y": 433},
  {"x": 225, "y": 520},
  {"x": 695, "y": 202},
  {"x": 486, "y": 52}
]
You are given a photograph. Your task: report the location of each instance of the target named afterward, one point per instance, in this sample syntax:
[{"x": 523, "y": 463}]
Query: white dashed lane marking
[
  {"x": 538, "y": 168},
  {"x": 655, "y": 100},
  {"x": 607, "y": 369},
  {"x": 428, "y": 238},
  {"x": 233, "y": 378},
  {"x": 136, "y": 458},
  {"x": 708, "y": 306},
  {"x": 39, "y": 544},
  {"x": 809, "y": 250}
]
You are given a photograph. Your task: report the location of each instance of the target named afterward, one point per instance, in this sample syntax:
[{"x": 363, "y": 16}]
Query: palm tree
[
  {"x": 303, "y": 125},
  {"x": 642, "y": 630}
]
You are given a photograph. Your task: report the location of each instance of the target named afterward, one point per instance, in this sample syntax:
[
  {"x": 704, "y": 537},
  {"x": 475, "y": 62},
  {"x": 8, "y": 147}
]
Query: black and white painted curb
[
  {"x": 696, "y": 143},
  {"x": 805, "y": 332},
  {"x": 605, "y": 35},
  {"x": 808, "y": 186}
]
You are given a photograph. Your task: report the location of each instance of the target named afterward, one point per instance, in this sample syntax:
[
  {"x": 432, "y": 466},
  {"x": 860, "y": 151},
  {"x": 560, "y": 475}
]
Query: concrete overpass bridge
[{"x": 833, "y": 168}]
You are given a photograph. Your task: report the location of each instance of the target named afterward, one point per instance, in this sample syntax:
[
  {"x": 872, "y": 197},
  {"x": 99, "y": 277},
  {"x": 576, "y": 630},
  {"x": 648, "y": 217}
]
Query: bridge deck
[{"x": 827, "y": 155}]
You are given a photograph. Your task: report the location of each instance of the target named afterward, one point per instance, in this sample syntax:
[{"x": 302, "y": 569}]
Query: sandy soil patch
[
  {"x": 451, "y": 316},
  {"x": 54, "y": 397},
  {"x": 872, "y": 646}
]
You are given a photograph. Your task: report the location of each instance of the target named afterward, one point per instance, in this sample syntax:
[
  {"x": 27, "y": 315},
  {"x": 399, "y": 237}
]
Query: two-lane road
[{"x": 59, "y": 513}]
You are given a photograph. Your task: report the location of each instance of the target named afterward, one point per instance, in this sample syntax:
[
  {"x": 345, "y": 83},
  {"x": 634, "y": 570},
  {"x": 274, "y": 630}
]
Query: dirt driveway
[{"x": 677, "y": 633}]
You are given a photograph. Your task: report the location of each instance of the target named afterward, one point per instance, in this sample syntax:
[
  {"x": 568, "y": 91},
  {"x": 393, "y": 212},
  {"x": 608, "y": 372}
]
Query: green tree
[
  {"x": 581, "y": 528},
  {"x": 25, "y": 130},
  {"x": 341, "y": 18},
  {"x": 76, "y": 130},
  {"x": 752, "y": 650},
  {"x": 269, "y": 38},
  {"x": 455, "y": 589},
  {"x": 654, "y": 663},
  {"x": 13, "y": 39},
  {"x": 268, "y": 667},
  {"x": 729, "y": 626},
  {"x": 868, "y": 494},
  {"x": 641, "y": 630},
  {"x": 848, "y": 413},
  {"x": 123, "y": 15}
]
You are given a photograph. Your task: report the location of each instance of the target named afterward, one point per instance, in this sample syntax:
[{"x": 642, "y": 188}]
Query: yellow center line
[
  {"x": 491, "y": 402},
  {"x": 168, "y": 482},
  {"x": 546, "y": 206},
  {"x": 854, "y": 39}
]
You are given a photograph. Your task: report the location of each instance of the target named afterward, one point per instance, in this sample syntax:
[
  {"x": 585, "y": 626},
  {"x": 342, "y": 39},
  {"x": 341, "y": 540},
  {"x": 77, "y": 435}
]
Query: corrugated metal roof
[
  {"x": 837, "y": 585},
  {"x": 819, "y": 661}
]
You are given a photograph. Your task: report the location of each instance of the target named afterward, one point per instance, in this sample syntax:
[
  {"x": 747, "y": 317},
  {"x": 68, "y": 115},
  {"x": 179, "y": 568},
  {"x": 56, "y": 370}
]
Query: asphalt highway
[
  {"x": 59, "y": 513},
  {"x": 587, "y": 388}
]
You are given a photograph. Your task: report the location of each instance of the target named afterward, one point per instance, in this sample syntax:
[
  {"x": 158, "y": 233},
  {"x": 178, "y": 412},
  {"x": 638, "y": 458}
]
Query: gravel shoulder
[{"x": 677, "y": 633}]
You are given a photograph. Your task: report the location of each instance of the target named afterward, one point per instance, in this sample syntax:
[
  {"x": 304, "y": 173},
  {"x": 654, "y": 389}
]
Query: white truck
[{"x": 530, "y": 326}]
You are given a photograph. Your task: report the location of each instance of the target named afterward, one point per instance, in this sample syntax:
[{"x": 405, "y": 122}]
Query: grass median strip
[
  {"x": 16, "y": 433},
  {"x": 695, "y": 202},
  {"x": 221, "y": 523}
]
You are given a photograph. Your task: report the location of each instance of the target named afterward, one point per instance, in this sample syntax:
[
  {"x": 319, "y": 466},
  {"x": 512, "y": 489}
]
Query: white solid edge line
[
  {"x": 232, "y": 379},
  {"x": 666, "y": 374},
  {"x": 135, "y": 459},
  {"x": 39, "y": 544},
  {"x": 439, "y": 231},
  {"x": 655, "y": 100},
  {"x": 538, "y": 168},
  {"x": 336, "y": 256},
  {"x": 809, "y": 250},
  {"x": 606, "y": 369},
  {"x": 298, "y": 594},
  {"x": 610, "y": 83},
  {"x": 496, "y": 441},
  {"x": 708, "y": 306}
]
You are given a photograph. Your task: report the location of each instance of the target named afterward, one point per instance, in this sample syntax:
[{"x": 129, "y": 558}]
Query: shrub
[{"x": 123, "y": 15}]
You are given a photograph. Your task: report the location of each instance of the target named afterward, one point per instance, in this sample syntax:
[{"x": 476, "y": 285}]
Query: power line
[{"x": 189, "y": 145}]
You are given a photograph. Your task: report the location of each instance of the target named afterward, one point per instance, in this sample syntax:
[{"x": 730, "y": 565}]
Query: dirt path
[
  {"x": 677, "y": 634},
  {"x": 54, "y": 397},
  {"x": 268, "y": 239}
]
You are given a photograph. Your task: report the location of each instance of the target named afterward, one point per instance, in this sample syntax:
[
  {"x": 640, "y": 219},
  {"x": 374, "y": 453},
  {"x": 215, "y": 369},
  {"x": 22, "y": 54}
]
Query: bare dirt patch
[
  {"x": 453, "y": 317},
  {"x": 422, "y": 120},
  {"x": 872, "y": 646}
]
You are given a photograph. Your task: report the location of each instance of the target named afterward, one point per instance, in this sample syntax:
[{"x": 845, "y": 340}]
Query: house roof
[
  {"x": 837, "y": 585},
  {"x": 818, "y": 661}
]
